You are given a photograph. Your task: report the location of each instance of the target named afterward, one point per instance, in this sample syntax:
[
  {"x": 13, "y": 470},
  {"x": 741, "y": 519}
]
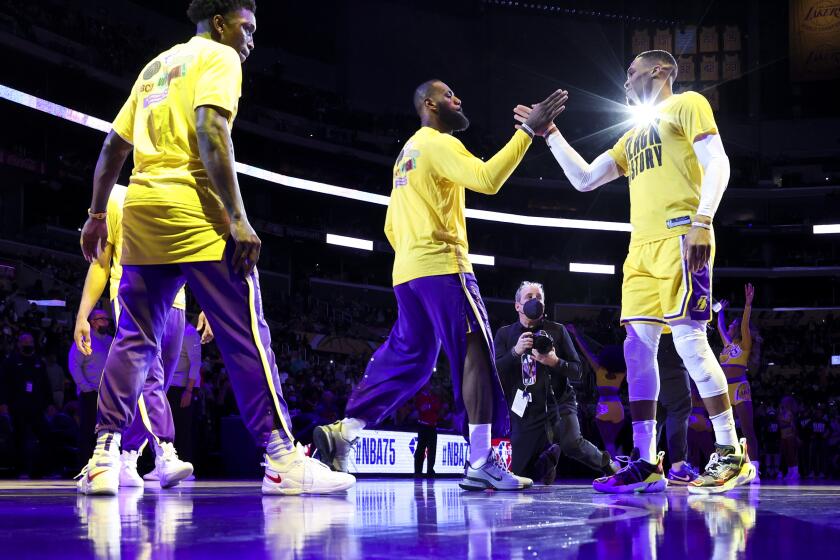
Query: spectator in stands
[
  {"x": 25, "y": 394},
  {"x": 789, "y": 433},
  {"x": 86, "y": 371},
  {"x": 429, "y": 406}
]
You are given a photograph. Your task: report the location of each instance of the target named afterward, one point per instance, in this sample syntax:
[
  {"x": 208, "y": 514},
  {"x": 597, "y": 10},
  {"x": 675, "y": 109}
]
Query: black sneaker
[{"x": 636, "y": 476}]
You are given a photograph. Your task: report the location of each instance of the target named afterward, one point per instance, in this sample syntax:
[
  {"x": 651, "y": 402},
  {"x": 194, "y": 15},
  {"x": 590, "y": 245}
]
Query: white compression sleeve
[
  {"x": 715, "y": 163},
  {"x": 640, "y": 349},
  {"x": 692, "y": 345},
  {"x": 583, "y": 176}
]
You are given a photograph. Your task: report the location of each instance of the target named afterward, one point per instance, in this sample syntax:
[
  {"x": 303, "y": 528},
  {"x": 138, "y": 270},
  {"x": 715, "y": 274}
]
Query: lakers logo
[{"x": 702, "y": 304}]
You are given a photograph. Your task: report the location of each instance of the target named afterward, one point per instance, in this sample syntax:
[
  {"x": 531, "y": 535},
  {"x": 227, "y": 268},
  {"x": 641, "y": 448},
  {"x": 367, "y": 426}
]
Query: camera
[{"x": 543, "y": 343}]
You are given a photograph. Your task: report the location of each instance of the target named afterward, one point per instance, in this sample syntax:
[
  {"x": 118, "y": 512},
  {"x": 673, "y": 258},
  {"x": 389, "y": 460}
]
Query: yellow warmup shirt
[
  {"x": 171, "y": 214},
  {"x": 664, "y": 173},
  {"x": 425, "y": 221},
  {"x": 114, "y": 219}
]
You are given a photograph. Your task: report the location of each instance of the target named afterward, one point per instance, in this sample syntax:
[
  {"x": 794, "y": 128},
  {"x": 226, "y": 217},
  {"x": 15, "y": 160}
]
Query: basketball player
[
  {"x": 437, "y": 295},
  {"x": 735, "y": 359},
  {"x": 678, "y": 171},
  {"x": 154, "y": 421},
  {"x": 184, "y": 220}
]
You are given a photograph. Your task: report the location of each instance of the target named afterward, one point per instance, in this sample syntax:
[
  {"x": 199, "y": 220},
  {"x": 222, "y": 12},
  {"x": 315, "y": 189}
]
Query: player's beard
[{"x": 454, "y": 120}]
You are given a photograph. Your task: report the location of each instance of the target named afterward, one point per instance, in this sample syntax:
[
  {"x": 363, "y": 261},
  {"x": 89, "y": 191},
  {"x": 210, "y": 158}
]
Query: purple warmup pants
[
  {"x": 233, "y": 306},
  {"x": 155, "y": 416},
  {"x": 431, "y": 310}
]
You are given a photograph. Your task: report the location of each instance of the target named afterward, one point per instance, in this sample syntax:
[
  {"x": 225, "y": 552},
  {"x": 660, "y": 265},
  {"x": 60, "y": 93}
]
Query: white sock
[
  {"x": 644, "y": 438},
  {"x": 479, "y": 444},
  {"x": 725, "y": 434},
  {"x": 108, "y": 442},
  {"x": 279, "y": 448},
  {"x": 351, "y": 428}
]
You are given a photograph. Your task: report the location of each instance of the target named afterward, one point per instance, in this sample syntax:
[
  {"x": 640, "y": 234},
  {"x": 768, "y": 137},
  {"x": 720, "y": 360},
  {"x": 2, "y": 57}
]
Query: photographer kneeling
[{"x": 535, "y": 359}]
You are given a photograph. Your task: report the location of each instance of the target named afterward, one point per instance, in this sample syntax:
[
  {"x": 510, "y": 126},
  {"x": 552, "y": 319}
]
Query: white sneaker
[
  {"x": 128, "y": 469},
  {"x": 493, "y": 475},
  {"x": 152, "y": 475},
  {"x": 171, "y": 470},
  {"x": 101, "y": 474},
  {"x": 300, "y": 474}
]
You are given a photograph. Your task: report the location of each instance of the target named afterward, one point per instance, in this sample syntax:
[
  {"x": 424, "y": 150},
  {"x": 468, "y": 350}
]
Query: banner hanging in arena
[
  {"x": 387, "y": 452},
  {"x": 814, "y": 40}
]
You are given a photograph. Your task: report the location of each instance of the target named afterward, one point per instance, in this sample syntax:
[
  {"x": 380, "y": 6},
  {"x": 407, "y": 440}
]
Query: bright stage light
[
  {"x": 60, "y": 111},
  {"x": 642, "y": 115},
  {"x": 482, "y": 259},
  {"x": 353, "y": 242},
  {"x": 827, "y": 228},
  {"x": 592, "y": 268}
]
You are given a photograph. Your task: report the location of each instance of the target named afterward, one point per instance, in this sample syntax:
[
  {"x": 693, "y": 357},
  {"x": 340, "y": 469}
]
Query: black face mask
[
  {"x": 27, "y": 350},
  {"x": 533, "y": 309}
]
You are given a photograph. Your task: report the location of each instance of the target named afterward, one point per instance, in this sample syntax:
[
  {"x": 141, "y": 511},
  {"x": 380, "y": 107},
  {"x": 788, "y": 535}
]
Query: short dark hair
[
  {"x": 422, "y": 92},
  {"x": 661, "y": 57},
  {"x": 201, "y": 10}
]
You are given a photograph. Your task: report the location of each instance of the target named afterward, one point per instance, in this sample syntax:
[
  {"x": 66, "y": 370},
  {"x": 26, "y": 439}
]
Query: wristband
[
  {"x": 96, "y": 215},
  {"x": 528, "y": 130},
  {"x": 701, "y": 225},
  {"x": 550, "y": 131}
]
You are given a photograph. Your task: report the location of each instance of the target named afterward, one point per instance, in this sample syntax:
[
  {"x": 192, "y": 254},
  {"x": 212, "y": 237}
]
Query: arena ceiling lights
[
  {"x": 77, "y": 117},
  {"x": 592, "y": 268},
  {"x": 353, "y": 242},
  {"x": 482, "y": 259},
  {"x": 827, "y": 228}
]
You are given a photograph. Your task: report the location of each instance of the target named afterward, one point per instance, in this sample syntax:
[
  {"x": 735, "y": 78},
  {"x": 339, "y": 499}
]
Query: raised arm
[
  {"x": 746, "y": 335},
  {"x": 453, "y": 161},
  {"x": 721, "y": 323},
  {"x": 583, "y": 176}
]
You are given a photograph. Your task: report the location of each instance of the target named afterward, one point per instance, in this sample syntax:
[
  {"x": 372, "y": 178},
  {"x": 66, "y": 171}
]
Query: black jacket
[{"x": 551, "y": 394}]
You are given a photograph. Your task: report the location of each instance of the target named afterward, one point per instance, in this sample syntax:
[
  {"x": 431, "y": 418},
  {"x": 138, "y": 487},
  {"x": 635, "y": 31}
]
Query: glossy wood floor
[{"x": 404, "y": 519}]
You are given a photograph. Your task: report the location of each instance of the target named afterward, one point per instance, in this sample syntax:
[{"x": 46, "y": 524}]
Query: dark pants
[
  {"x": 527, "y": 447},
  {"x": 426, "y": 439},
  {"x": 182, "y": 418},
  {"x": 87, "y": 425},
  {"x": 433, "y": 311},
  {"x": 233, "y": 306},
  {"x": 674, "y": 401}
]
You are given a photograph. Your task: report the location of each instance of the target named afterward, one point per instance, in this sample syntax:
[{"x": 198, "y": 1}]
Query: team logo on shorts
[{"x": 702, "y": 304}]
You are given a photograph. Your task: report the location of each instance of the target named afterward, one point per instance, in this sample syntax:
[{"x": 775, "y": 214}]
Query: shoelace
[
  {"x": 130, "y": 459},
  {"x": 715, "y": 465},
  {"x": 169, "y": 453},
  {"x": 83, "y": 472},
  {"x": 622, "y": 460},
  {"x": 97, "y": 456}
]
